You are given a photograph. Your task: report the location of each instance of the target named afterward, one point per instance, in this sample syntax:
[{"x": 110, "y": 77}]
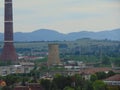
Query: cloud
[{"x": 64, "y": 15}]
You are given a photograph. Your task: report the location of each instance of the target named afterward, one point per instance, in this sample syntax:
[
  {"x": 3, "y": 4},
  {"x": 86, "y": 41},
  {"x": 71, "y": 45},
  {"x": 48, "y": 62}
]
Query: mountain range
[{"x": 52, "y": 35}]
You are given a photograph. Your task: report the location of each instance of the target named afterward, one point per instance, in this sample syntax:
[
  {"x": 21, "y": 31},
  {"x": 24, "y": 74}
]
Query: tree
[
  {"x": 110, "y": 73},
  {"x": 24, "y": 80},
  {"x": 93, "y": 77},
  {"x": 2, "y": 78},
  {"x": 101, "y": 75},
  {"x": 53, "y": 86},
  {"x": 7, "y": 88},
  {"x": 78, "y": 88},
  {"x": 11, "y": 79},
  {"x": 99, "y": 85},
  {"x": 78, "y": 80},
  {"x": 45, "y": 83},
  {"x": 35, "y": 74},
  {"x": 87, "y": 85},
  {"x": 62, "y": 81},
  {"x": 68, "y": 88}
]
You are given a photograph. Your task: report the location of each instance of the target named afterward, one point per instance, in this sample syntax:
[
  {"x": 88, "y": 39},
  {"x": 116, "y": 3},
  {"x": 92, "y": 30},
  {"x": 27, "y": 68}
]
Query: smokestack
[{"x": 8, "y": 53}]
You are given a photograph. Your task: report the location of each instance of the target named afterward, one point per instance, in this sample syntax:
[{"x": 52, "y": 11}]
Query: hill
[{"x": 52, "y": 35}]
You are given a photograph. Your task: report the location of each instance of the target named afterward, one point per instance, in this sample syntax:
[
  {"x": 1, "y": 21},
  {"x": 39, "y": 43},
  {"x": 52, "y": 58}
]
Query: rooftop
[
  {"x": 94, "y": 70},
  {"x": 113, "y": 78}
]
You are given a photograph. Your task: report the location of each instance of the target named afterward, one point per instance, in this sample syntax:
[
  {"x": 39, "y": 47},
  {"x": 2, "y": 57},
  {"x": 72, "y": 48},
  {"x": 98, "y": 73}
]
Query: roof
[
  {"x": 113, "y": 78},
  {"x": 21, "y": 88},
  {"x": 94, "y": 70},
  {"x": 30, "y": 86}
]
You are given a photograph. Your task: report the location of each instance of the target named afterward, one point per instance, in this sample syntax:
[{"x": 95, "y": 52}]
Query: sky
[{"x": 64, "y": 16}]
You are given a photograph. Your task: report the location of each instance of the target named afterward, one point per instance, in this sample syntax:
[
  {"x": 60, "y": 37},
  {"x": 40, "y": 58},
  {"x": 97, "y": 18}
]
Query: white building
[
  {"x": 113, "y": 80},
  {"x": 11, "y": 69}
]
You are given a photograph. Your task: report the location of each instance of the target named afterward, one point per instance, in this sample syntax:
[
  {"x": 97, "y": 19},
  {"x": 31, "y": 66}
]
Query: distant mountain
[
  {"x": 39, "y": 35},
  {"x": 110, "y": 35},
  {"x": 52, "y": 35}
]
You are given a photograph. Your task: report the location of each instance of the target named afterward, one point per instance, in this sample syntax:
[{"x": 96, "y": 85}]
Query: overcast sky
[{"x": 64, "y": 15}]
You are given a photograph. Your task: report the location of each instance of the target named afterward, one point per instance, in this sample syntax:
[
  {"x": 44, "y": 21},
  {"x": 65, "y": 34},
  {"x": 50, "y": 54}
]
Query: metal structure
[{"x": 9, "y": 52}]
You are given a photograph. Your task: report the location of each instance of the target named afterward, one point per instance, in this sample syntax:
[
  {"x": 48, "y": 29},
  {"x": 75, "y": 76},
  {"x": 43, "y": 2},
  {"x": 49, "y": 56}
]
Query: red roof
[
  {"x": 113, "y": 78},
  {"x": 94, "y": 70},
  {"x": 21, "y": 88},
  {"x": 30, "y": 86}
]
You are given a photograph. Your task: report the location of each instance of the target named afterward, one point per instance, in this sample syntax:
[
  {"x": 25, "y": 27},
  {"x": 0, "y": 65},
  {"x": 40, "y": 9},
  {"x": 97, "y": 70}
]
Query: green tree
[
  {"x": 2, "y": 78},
  {"x": 59, "y": 80},
  {"x": 68, "y": 88},
  {"x": 53, "y": 86},
  {"x": 24, "y": 80},
  {"x": 35, "y": 73},
  {"x": 78, "y": 80},
  {"x": 7, "y": 88},
  {"x": 62, "y": 81},
  {"x": 93, "y": 77},
  {"x": 45, "y": 83},
  {"x": 87, "y": 85},
  {"x": 11, "y": 79},
  {"x": 101, "y": 75},
  {"x": 78, "y": 88},
  {"x": 110, "y": 73},
  {"x": 99, "y": 85}
]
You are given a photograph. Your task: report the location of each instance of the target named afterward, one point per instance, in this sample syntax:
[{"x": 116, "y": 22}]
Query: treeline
[
  {"x": 59, "y": 82},
  {"x": 77, "y": 82}
]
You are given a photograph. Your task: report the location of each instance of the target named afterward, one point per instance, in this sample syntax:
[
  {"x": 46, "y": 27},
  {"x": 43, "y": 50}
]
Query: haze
[{"x": 64, "y": 15}]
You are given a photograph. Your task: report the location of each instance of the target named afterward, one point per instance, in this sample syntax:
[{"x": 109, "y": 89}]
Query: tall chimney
[{"x": 8, "y": 53}]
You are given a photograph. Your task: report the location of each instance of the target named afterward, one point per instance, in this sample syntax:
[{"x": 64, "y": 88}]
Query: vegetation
[
  {"x": 59, "y": 82},
  {"x": 99, "y": 85},
  {"x": 75, "y": 82},
  {"x": 6, "y": 63},
  {"x": 87, "y": 50},
  {"x": 104, "y": 52}
]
